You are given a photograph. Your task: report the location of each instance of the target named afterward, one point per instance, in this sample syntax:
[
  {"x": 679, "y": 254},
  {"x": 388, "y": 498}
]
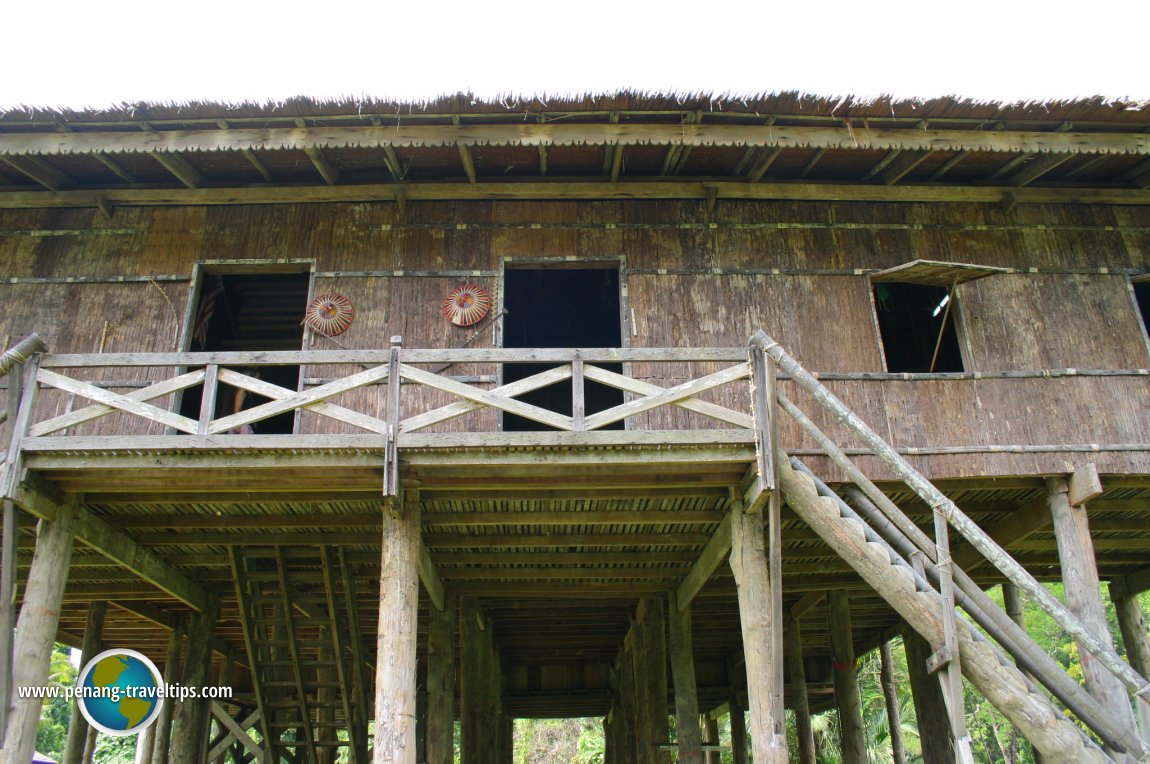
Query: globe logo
[{"x": 119, "y": 692}]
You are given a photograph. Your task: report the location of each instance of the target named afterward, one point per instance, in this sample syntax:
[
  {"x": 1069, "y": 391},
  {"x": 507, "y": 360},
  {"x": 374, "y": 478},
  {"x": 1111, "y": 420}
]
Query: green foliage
[
  {"x": 52, "y": 734},
  {"x": 543, "y": 741}
]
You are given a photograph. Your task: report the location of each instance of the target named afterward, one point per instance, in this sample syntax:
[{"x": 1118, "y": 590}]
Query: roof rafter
[
  {"x": 329, "y": 173},
  {"x": 39, "y": 170}
]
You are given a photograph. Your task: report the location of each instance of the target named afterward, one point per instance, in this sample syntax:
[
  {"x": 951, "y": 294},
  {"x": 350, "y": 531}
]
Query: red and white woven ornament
[
  {"x": 329, "y": 314},
  {"x": 466, "y": 305}
]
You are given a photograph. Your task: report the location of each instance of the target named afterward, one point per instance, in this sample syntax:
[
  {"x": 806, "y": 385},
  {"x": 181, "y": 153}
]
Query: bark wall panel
[{"x": 1047, "y": 321}]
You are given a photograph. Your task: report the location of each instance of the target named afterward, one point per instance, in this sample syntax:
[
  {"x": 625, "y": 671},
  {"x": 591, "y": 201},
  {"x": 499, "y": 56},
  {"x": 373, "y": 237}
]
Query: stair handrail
[
  {"x": 18, "y": 353},
  {"x": 960, "y": 521}
]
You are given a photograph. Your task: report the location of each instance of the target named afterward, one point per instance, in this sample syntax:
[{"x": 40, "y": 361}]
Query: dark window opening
[
  {"x": 249, "y": 312},
  {"x": 561, "y": 308},
  {"x": 1142, "y": 297},
  {"x": 910, "y": 318}
]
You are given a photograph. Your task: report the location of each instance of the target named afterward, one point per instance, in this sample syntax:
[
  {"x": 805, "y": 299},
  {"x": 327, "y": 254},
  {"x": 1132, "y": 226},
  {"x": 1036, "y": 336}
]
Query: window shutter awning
[{"x": 935, "y": 273}]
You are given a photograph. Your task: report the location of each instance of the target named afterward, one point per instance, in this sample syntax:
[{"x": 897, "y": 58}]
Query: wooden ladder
[{"x": 305, "y": 653}]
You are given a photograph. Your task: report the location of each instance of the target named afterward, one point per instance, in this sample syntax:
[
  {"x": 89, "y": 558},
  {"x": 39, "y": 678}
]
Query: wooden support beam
[
  {"x": 78, "y": 725},
  {"x": 686, "y": 695},
  {"x": 258, "y": 164},
  {"x": 890, "y": 694},
  {"x": 934, "y": 732},
  {"x": 949, "y": 165},
  {"x": 707, "y": 563},
  {"x": 804, "y": 730},
  {"x": 1012, "y": 603},
  {"x": 903, "y": 165},
  {"x": 432, "y": 583},
  {"x": 102, "y": 537},
  {"x": 396, "y": 639},
  {"x": 39, "y": 170},
  {"x": 811, "y": 164},
  {"x": 1084, "y": 484},
  {"x": 852, "y": 734},
  {"x": 881, "y": 165},
  {"x": 329, "y": 173},
  {"x": 760, "y": 167},
  {"x": 1083, "y": 595},
  {"x": 120, "y": 172},
  {"x": 737, "y": 675},
  {"x": 806, "y": 603},
  {"x": 1037, "y": 168},
  {"x": 441, "y": 683},
  {"x": 172, "y": 673},
  {"x": 566, "y": 190},
  {"x": 1132, "y": 624},
  {"x": 238, "y": 731},
  {"x": 1024, "y": 521},
  {"x": 756, "y": 591},
  {"x": 181, "y": 168},
  {"x": 36, "y": 630},
  {"x": 189, "y": 723}
]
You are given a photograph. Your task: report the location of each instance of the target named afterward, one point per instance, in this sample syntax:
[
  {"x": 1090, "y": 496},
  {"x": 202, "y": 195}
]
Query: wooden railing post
[
  {"x": 211, "y": 390},
  {"x": 578, "y": 396},
  {"x": 391, "y": 455}
]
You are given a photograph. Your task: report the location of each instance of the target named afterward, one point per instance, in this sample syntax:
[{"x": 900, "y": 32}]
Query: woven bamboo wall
[{"x": 796, "y": 269}]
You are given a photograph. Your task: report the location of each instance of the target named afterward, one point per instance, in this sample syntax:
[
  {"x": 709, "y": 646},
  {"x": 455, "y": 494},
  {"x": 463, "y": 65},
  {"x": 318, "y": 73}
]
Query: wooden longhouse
[{"x": 551, "y": 496}]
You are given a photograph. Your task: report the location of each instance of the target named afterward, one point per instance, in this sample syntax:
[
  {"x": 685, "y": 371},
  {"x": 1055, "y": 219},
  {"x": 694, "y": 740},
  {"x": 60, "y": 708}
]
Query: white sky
[{"x": 78, "y": 53}]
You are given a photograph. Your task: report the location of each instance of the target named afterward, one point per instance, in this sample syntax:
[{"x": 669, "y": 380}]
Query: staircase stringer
[
  {"x": 1001, "y": 683},
  {"x": 249, "y": 620}
]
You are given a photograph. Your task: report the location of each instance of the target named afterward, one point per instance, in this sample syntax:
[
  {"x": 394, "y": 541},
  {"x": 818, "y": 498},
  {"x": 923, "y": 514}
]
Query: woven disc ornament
[
  {"x": 329, "y": 314},
  {"x": 466, "y": 305}
]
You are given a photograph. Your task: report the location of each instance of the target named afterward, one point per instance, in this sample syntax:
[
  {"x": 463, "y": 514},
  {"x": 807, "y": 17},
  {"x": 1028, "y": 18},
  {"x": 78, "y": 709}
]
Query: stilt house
[{"x": 387, "y": 415}]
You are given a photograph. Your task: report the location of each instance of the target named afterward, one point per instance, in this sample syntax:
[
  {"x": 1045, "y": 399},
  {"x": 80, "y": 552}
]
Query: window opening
[
  {"x": 917, "y": 325},
  {"x": 249, "y": 312},
  {"x": 561, "y": 308},
  {"x": 1142, "y": 297}
]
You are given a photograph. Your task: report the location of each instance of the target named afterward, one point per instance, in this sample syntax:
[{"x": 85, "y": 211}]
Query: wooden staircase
[
  {"x": 305, "y": 649},
  {"x": 916, "y": 576}
]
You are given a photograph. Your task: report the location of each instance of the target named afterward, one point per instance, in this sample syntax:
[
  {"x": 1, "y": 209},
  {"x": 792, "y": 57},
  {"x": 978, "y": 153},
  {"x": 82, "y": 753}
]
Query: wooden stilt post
[
  {"x": 654, "y": 666},
  {"x": 90, "y": 745},
  {"x": 482, "y": 722},
  {"x": 78, "y": 725},
  {"x": 8, "y": 533},
  {"x": 36, "y": 631},
  {"x": 933, "y": 723},
  {"x": 847, "y": 697},
  {"x": 711, "y": 739},
  {"x": 735, "y": 717},
  {"x": 172, "y": 672},
  {"x": 325, "y": 700},
  {"x": 890, "y": 693},
  {"x": 756, "y": 616},
  {"x": 144, "y": 742},
  {"x": 1084, "y": 596},
  {"x": 1132, "y": 623},
  {"x": 398, "y": 607},
  {"x": 191, "y": 716},
  {"x": 686, "y": 693},
  {"x": 804, "y": 730},
  {"x": 441, "y": 683},
  {"x": 1012, "y": 601}
]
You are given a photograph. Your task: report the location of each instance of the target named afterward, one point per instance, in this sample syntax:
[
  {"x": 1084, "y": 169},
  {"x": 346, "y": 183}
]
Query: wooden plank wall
[{"x": 692, "y": 278}]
